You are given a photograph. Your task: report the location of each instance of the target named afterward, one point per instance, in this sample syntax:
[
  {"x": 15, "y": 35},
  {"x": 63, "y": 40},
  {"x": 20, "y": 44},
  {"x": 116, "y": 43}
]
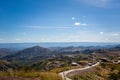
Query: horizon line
[{"x": 56, "y": 42}]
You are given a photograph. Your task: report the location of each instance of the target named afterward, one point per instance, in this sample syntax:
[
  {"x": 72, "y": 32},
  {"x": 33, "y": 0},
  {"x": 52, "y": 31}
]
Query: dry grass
[
  {"x": 40, "y": 75},
  {"x": 58, "y": 70},
  {"x": 101, "y": 72}
]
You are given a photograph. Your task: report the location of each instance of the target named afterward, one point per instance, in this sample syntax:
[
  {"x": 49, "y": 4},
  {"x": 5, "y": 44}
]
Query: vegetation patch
[{"x": 105, "y": 71}]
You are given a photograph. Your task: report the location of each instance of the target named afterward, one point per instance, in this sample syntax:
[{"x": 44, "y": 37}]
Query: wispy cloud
[
  {"x": 84, "y": 24},
  {"x": 110, "y": 34},
  {"x": 50, "y": 27},
  {"x": 23, "y": 33},
  {"x": 103, "y": 3},
  {"x": 115, "y": 34},
  {"x": 1, "y": 39},
  {"x": 98, "y": 3},
  {"x": 18, "y": 39},
  {"x": 79, "y": 24},
  {"x": 73, "y": 18},
  {"x": 56, "y": 27},
  {"x": 101, "y": 33}
]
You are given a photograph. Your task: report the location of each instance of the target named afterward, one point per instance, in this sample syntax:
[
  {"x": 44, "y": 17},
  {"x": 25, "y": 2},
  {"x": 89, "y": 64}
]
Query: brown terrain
[{"x": 17, "y": 78}]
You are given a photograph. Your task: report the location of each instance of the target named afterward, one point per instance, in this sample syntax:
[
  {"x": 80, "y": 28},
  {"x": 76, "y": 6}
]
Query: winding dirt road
[{"x": 64, "y": 73}]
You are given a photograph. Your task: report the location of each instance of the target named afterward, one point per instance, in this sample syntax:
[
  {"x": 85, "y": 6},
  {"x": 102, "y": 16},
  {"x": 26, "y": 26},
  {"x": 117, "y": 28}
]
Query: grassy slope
[
  {"x": 39, "y": 75},
  {"x": 103, "y": 72}
]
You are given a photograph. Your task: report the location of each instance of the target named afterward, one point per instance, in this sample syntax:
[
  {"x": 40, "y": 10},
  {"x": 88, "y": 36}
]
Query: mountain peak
[{"x": 36, "y": 47}]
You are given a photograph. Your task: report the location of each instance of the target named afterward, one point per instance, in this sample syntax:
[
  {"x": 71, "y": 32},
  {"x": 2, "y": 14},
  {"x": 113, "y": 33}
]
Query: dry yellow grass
[
  {"x": 58, "y": 70},
  {"x": 40, "y": 75}
]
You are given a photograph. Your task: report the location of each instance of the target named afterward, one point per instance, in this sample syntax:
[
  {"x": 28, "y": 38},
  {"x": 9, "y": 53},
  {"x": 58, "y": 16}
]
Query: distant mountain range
[
  {"x": 37, "y": 53},
  {"x": 31, "y": 54},
  {"x": 20, "y": 46},
  {"x": 5, "y": 51}
]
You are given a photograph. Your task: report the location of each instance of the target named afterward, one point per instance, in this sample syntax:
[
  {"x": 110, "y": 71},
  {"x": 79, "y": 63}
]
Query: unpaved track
[{"x": 64, "y": 73}]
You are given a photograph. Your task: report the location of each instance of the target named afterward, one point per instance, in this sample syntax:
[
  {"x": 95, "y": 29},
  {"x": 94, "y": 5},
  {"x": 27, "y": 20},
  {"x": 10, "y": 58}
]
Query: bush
[{"x": 114, "y": 76}]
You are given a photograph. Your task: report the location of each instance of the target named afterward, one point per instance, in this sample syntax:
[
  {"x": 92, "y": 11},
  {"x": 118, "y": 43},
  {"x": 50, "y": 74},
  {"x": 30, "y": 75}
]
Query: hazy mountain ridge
[
  {"x": 37, "y": 53},
  {"x": 5, "y": 65},
  {"x": 21, "y": 46},
  {"x": 6, "y": 51}
]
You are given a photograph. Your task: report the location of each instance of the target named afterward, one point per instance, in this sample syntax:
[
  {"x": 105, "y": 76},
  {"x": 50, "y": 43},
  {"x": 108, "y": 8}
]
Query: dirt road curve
[{"x": 64, "y": 73}]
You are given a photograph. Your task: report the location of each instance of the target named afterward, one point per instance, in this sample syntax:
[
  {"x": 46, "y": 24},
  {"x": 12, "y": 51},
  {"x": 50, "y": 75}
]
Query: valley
[{"x": 35, "y": 62}]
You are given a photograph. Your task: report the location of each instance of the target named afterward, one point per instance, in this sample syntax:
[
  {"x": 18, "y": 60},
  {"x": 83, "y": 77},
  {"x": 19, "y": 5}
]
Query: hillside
[
  {"x": 36, "y": 54},
  {"x": 39, "y": 59},
  {"x": 105, "y": 71},
  {"x": 29, "y": 55},
  {"x": 5, "y": 52},
  {"x": 5, "y": 65}
]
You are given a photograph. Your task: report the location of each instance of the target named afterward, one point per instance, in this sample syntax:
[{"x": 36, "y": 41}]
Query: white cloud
[
  {"x": 77, "y": 24},
  {"x": 101, "y": 33},
  {"x": 73, "y": 18}
]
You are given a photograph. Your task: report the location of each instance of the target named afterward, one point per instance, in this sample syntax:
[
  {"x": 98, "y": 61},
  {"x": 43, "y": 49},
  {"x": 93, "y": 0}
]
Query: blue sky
[{"x": 59, "y": 21}]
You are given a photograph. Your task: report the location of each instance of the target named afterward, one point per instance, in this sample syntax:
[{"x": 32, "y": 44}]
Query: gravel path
[{"x": 73, "y": 71}]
